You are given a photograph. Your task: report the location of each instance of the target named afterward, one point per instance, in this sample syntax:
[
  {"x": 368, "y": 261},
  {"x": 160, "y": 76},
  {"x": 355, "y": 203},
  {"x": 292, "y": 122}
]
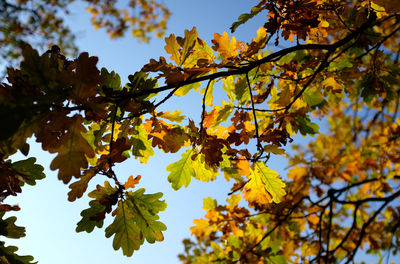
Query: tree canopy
[{"x": 329, "y": 62}]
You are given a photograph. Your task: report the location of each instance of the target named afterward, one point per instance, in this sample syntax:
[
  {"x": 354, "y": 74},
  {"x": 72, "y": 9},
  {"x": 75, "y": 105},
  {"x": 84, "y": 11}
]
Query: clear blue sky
[{"x": 51, "y": 220}]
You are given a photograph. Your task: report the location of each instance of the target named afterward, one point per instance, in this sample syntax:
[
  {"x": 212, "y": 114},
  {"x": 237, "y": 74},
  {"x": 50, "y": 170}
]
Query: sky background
[{"x": 50, "y": 220}]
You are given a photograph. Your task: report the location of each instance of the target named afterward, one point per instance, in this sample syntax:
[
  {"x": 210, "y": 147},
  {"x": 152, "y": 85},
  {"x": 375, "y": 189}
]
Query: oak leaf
[
  {"x": 131, "y": 182},
  {"x": 264, "y": 186},
  {"x": 226, "y": 48},
  {"x": 104, "y": 198},
  {"x": 72, "y": 152},
  {"x": 136, "y": 220},
  {"x": 79, "y": 187}
]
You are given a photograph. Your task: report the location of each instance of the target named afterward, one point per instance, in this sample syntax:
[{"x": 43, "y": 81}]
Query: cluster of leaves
[
  {"x": 69, "y": 106},
  {"x": 340, "y": 192},
  {"x": 42, "y": 23},
  {"x": 142, "y": 17}
]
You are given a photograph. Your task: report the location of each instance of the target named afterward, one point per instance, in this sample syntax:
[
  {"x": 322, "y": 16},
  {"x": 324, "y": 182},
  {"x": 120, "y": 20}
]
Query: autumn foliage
[{"x": 338, "y": 67}]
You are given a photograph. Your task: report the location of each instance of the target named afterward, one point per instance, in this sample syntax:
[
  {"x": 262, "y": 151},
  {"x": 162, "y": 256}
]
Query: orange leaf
[
  {"x": 224, "y": 46},
  {"x": 131, "y": 182}
]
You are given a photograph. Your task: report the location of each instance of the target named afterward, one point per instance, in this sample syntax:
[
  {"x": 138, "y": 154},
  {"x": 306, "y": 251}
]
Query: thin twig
[
  {"x": 259, "y": 146},
  {"x": 370, "y": 220},
  {"x": 203, "y": 112},
  {"x": 271, "y": 57}
]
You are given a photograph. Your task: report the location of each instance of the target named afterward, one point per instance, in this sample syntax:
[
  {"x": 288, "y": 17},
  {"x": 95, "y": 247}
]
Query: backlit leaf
[
  {"x": 141, "y": 145},
  {"x": 188, "y": 44},
  {"x": 131, "y": 182},
  {"x": 312, "y": 97},
  {"x": 172, "y": 116},
  {"x": 72, "y": 155},
  {"x": 136, "y": 220},
  {"x": 172, "y": 48},
  {"x": 225, "y": 47},
  {"x": 243, "y": 18},
  {"x": 104, "y": 198},
  {"x": 264, "y": 186},
  {"x": 126, "y": 233},
  {"x": 181, "y": 171}
]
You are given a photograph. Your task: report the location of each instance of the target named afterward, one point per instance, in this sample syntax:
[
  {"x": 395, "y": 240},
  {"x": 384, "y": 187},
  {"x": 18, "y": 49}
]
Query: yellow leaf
[
  {"x": 313, "y": 219},
  {"x": 264, "y": 186},
  {"x": 297, "y": 173},
  {"x": 172, "y": 116},
  {"x": 201, "y": 229},
  {"x": 388, "y": 5},
  {"x": 261, "y": 34},
  {"x": 224, "y": 46},
  {"x": 190, "y": 39},
  {"x": 331, "y": 82},
  {"x": 234, "y": 200},
  {"x": 209, "y": 203},
  {"x": 274, "y": 149},
  {"x": 201, "y": 171},
  {"x": 324, "y": 23},
  {"x": 244, "y": 167},
  {"x": 172, "y": 48}
]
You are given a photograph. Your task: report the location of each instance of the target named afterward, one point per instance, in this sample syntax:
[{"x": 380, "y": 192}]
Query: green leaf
[
  {"x": 141, "y": 145},
  {"x": 241, "y": 91},
  {"x": 228, "y": 83},
  {"x": 243, "y": 18},
  {"x": 89, "y": 217},
  {"x": 126, "y": 233},
  {"x": 29, "y": 170},
  {"x": 306, "y": 127},
  {"x": 181, "y": 171},
  {"x": 136, "y": 220},
  {"x": 146, "y": 208},
  {"x": 224, "y": 112},
  {"x": 209, "y": 203},
  {"x": 200, "y": 52},
  {"x": 174, "y": 116},
  {"x": 9, "y": 229},
  {"x": 287, "y": 58},
  {"x": 74, "y": 151},
  {"x": 111, "y": 80},
  {"x": 104, "y": 198},
  {"x": 13, "y": 117},
  {"x": 313, "y": 97},
  {"x": 25, "y": 149},
  {"x": 234, "y": 241},
  {"x": 340, "y": 64},
  {"x": 184, "y": 90},
  {"x": 8, "y": 255},
  {"x": 39, "y": 69},
  {"x": 278, "y": 259},
  {"x": 190, "y": 38},
  {"x": 139, "y": 81},
  {"x": 102, "y": 192},
  {"x": 79, "y": 187},
  {"x": 264, "y": 185},
  {"x": 201, "y": 171}
]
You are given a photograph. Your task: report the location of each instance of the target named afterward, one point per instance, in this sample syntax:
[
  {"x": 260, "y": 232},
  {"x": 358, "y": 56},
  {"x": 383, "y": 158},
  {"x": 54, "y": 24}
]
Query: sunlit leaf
[{"x": 264, "y": 186}]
